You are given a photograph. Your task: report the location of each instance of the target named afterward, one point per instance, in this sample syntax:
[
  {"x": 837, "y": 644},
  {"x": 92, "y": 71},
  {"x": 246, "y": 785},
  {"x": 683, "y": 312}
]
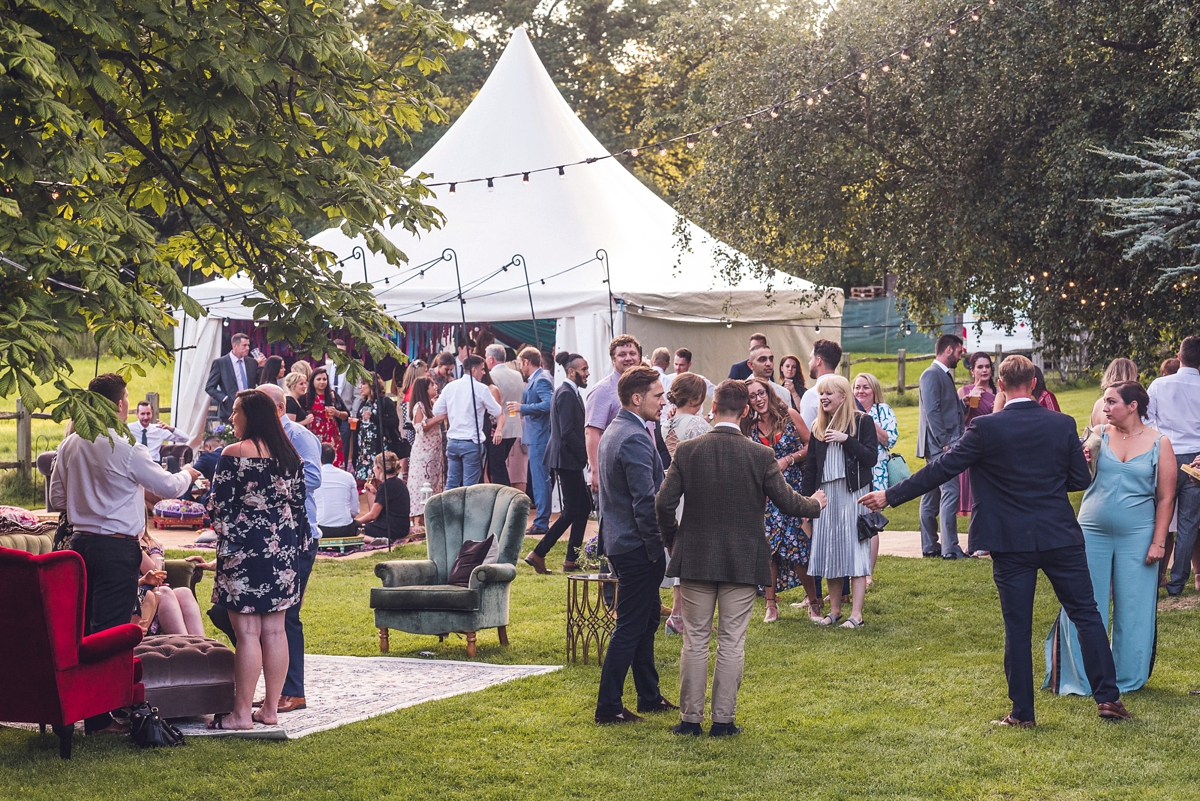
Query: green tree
[
  {"x": 598, "y": 53},
  {"x": 233, "y": 120},
  {"x": 967, "y": 169}
]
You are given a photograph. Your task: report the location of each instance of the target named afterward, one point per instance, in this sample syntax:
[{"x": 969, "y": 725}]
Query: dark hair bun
[{"x": 563, "y": 358}]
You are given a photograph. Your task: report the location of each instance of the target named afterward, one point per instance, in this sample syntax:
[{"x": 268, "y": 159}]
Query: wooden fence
[
  {"x": 901, "y": 359},
  {"x": 25, "y": 418}
]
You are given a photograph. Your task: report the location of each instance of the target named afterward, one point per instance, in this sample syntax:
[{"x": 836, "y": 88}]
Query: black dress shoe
[
  {"x": 687, "y": 728},
  {"x": 724, "y": 730},
  {"x": 663, "y": 705},
  {"x": 954, "y": 556},
  {"x": 624, "y": 716},
  {"x": 930, "y": 555}
]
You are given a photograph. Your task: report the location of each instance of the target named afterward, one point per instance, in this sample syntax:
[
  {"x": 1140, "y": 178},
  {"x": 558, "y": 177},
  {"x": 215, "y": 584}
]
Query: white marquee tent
[{"x": 665, "y": 297}]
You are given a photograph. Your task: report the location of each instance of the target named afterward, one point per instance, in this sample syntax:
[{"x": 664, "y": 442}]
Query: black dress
[
  {"x": 295, "y": 408},
  {"x": 393, "y": 523}
]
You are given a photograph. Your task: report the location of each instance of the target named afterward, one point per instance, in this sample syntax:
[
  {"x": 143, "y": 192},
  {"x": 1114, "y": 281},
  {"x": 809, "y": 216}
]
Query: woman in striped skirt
[{"x": 841, "y": 456}]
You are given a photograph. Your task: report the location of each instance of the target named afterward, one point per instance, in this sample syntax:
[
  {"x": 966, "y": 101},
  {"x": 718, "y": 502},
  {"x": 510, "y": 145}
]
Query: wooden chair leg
[
  {"x": 470, "y": 645},
  {"x": 65, "y": 733},
  {"x": 383, "y": 640},
  {"x": 503, "y": 632}
]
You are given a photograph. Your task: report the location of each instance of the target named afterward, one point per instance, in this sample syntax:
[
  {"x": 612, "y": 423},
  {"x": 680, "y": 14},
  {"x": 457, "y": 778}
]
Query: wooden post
[
  {"x": 24, "y": 442},
  {"x": 152, "y": 399},
  {"x": 999, "y": 357},
  {"x": 901, "y": 379},
  {"x": 846, "y": 366}
]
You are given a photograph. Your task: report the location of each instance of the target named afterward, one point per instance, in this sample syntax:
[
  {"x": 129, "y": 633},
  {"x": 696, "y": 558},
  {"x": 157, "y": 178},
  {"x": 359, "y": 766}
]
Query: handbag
[
  {"x": 870, "y": 524},
  {"x": 1091, "y": 443},
  {"x": 897, "y": 469},
  {"x": 148, "y": 730}
]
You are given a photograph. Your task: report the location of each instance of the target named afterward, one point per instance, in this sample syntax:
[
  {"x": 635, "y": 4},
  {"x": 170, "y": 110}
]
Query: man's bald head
[{"x": 276, "y": 393}]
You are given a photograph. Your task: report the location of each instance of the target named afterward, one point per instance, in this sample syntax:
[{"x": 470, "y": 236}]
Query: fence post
[
  {"x": 152, "y": 399},
  {"x": 901, "y": 379},
  {"x": 846, "y": 366},
  {"x": 999, "y": 357},
  {"x": 24, "y": 442}
]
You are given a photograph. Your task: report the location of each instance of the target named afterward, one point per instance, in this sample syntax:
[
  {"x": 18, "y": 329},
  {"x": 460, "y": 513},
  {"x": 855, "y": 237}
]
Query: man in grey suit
[
  {"x": 630, "y": 474},
  {"x": 719, "y": 550},
  {"x": 230, "y": 374},
  {"x": 941, "y": 422}
]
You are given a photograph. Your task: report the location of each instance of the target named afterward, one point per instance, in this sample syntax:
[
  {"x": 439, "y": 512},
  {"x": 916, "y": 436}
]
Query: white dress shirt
[
  {"x": 337, "y": 497},
  {"x": 810, "y": 404},
  {"x": 100, "y": 484},
  {"x": 239, "y": 372},
  {"x": 1174, "y": 409},
  {"x": 156, "y": 435},
  {"x": 464, "y": 419}
]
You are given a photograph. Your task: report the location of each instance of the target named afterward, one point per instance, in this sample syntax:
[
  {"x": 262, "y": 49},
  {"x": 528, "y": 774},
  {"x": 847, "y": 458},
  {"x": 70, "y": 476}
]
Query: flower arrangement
[
  {"x": 226, "y": 433},
  {"x": 590, "y": 557}
]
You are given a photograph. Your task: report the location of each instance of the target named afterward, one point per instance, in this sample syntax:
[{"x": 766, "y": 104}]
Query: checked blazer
[{"x": 727, "y": 479}]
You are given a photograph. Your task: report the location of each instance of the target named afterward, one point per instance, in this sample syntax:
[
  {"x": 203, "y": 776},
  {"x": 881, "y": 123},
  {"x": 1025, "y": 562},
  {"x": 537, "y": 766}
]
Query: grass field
[{"x": 899, "y": 709}]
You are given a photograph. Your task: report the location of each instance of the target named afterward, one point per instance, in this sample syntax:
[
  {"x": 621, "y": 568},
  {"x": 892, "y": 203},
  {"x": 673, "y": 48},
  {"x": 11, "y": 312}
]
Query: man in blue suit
[
  {"x": 535, "y": 432},
  {"x": 1024, "y": 460}
]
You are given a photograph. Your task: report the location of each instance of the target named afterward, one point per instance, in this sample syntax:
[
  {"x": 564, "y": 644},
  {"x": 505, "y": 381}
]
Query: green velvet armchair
[{"x": 415, "y": 596}]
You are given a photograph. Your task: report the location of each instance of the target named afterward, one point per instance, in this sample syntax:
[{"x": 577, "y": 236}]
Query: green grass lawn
[{"x": 899, "y": 709}]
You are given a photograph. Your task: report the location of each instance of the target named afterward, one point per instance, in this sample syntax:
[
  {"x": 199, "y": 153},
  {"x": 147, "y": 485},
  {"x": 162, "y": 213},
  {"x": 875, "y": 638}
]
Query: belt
[{"x": 111, "y": 536}]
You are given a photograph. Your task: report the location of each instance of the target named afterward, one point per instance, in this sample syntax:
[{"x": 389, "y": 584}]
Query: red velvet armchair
[{"x": 52, "y": 673}]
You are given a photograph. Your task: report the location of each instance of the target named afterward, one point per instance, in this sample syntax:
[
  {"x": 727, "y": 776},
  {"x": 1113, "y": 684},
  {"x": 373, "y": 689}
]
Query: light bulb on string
[
  {"x": 809, "y": 100},
  {"x": 662, "y": 150},
  {"x": 633, "y": 152},
  {"x": 748, "y": 123},
  {"x": 975, "y": 15},
  {"x": 818, "y": 328},
  {"x": 827, "y": 88},
  {"x": 562, "y": 172},
  {"x": 904, "y": 55},
  {"x": 491, "y": 186},
  {"x": 716, "y": 131},
  {"x": 691, "y": 141},
  {"x": 774, "y": 112},
  {"x": 729, "y": 325},
  {"x": 862, "y": 75},
  {"x": 953, "y": 29},
  {"x": 525, "y": 178},
  {"x": 885, "y": 67},
  {"x": 929, "y": 41},
  {"x": 452, "y": 188}
]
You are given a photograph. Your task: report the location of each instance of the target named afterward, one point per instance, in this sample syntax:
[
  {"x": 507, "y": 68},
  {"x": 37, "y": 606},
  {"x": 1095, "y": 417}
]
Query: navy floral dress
[
  {"x": 788, "y": 541},
  {"x": 258, "y": 514}
]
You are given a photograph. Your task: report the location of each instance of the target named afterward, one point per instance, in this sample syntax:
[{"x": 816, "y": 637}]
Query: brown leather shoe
[
  {"x": 663, "y": 705},
  {"x": 1114, "y": 711},
  {"x": 569, "y": 566},
  {"x": 536, "y": 562},
  {"x": 625, "y": 716},
  {"x": 1009, "y": 720},
  {"x": 290, "y": 703}
]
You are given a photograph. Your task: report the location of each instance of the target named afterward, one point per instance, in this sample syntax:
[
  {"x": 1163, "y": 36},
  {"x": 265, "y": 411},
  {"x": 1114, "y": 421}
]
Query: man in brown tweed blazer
[{"x": 719, "y": 551}]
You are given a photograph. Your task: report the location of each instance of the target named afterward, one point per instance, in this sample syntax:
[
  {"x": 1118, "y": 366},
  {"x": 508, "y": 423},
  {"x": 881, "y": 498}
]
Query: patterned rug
[{"x": 347, "y": 689}]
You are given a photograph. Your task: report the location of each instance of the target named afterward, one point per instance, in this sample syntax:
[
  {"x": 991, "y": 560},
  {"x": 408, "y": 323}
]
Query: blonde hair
[
  {"x": 388, "y": 462},
  {"x": 302, "y": 368},
  {"x": 843, "y": 417},
  {"x": 292, "y": 379},
  {"x": 414, "y": 371},
  {"x": 873, "y": 383},
  {"x": 1119, "y": 370}
]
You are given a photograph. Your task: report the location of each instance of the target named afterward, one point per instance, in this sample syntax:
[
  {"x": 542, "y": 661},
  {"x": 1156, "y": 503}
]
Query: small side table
[{"x": 591, "y": 614}]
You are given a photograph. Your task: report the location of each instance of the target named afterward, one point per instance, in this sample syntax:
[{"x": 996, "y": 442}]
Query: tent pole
[
  {"x": 449, "y": 255},
  {"x": 537, "y": 335},
  {"x": 602, "y": 255}
]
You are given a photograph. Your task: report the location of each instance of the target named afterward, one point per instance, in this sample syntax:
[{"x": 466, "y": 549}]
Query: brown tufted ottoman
[{"x": 186, "y": 675}]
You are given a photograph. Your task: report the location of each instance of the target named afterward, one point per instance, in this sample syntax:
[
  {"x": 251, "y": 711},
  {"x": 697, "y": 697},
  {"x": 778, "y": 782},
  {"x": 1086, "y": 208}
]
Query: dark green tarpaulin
[
  {"x": 522, "y": 331},
  {"x": 876, "y": 326}
]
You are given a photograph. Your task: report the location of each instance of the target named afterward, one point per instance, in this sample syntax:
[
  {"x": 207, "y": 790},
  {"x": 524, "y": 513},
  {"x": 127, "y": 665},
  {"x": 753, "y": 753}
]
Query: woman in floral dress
[
  {"x": 369, "y": 440},
  {"x": 257, "y": 510},
  {"x": 327, "y": 410},
  {"x": 780, "y": 428},
  {"x": 428, "y": 462}
]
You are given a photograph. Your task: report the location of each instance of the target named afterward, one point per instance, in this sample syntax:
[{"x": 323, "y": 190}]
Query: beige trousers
[{"x": 734, "y": 603}]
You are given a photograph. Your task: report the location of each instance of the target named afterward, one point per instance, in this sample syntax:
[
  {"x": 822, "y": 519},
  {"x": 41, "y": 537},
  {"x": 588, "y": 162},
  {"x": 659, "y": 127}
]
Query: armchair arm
[
  {"x": 407, "y": 572},
  {"x": 492, "y": 574},
  {"x": 103, "y": 644}
]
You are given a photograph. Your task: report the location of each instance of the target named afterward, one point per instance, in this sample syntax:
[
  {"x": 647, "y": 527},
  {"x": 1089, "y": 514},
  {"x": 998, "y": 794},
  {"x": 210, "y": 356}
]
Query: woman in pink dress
[{"x": 980, "y": 397}]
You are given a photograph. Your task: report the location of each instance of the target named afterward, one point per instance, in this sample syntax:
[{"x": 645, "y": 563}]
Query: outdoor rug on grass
[{"x": 347, "y": 689}]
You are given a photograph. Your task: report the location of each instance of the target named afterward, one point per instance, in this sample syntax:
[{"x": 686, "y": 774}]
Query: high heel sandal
[
  {"x": 816, "y": 613},
  {"x": 772, "y": 611}
]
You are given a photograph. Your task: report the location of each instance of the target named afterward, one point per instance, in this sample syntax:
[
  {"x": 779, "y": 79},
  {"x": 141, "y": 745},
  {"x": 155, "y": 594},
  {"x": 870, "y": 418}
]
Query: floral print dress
[
  {"x": 325, "y": 426},
  {"x": 258, "y": 514},
  {"x": 882, "y": 414},
  {"x": 368, "y": 442},
  {"x": 787, "y": 539}
]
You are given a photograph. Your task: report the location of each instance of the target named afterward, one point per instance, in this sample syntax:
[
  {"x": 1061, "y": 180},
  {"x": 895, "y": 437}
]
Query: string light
[
  {"x": 827, "y": 88},
  {"x": 562, "y": 171},
  {"x": 452, "y": 187},
  {"x": 691, "y": 141},
  {"x": 975, "y": 15},
  {"x": 716, "y": 131},
  {"x": 929, "y": 41},
  {"x": 885, "y": 67},
  {"x": 862, "y": 75},
  {"x": 774, "y": 112},
  {"x": 524, "y": 179},
  {"x": 748, "y": 123},
  {"x": 662, "y": 150},
  {"x": 491, "y": 186},
  {"x": 809, "y": 100},
  {"x": 953, "y": 29},
  {"x": 633, "y": 152},
  {"x": 904, "y": 56}
]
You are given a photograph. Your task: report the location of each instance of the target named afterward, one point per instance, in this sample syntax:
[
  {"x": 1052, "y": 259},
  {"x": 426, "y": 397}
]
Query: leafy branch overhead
[{"x": 139, "y": 139}]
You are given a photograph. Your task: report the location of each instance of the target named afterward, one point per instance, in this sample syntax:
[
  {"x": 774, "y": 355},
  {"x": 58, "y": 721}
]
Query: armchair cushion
[
  {"x": 434, "y": 596},
  {"x": 492, "y": 574},
  {"x": 99, "y": 646},
  {"x": 407, "y": 572},
  {"x": 470, "y": 556}
]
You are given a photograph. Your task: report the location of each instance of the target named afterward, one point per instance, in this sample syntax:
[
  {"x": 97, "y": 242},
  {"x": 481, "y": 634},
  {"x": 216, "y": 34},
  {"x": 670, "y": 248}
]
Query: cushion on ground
[
  {"x": 431, "y": 596},
  {"x": 186, "y": 675}
]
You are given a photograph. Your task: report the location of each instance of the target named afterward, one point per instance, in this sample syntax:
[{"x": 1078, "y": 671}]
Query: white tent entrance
[{"x": 706, "y": 296}]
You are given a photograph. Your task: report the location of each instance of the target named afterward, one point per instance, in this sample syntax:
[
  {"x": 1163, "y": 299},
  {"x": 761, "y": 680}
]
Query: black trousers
[
  {"x": 632, "y": 643},
  {"x": 577, "y": 504},
  {"x": 497, "y": 461},
  {"x": 1015, "y": 574},
  {"x": 112, "y": 569},
  {"x": 339, "y": 532}
]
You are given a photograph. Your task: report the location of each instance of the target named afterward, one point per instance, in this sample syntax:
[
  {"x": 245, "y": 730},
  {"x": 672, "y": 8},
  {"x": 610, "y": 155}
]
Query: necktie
[
  {"x": 241, "y": 374},
  {"x": 144, "y": 442}
]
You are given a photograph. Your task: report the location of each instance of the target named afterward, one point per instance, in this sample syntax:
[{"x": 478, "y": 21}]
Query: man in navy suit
[
  {"x": 1024, "y": 460},
  {"x": 230, "y": 374}
]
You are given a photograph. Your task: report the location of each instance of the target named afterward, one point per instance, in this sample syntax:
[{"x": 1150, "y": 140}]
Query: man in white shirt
[
  {"x": 683, "y": 364},
  {"x": 146, "y": 431},
  {"x": 762, "y": 367},
  {"x": 1174, "y": 410},
  {"x": 100, "y": 485},
  {"x": 508, "y": 427},
  {"x": 826, "y": 356},
  {"x": 464, "y": 403},
  {"x": 337, "y": 498}
]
